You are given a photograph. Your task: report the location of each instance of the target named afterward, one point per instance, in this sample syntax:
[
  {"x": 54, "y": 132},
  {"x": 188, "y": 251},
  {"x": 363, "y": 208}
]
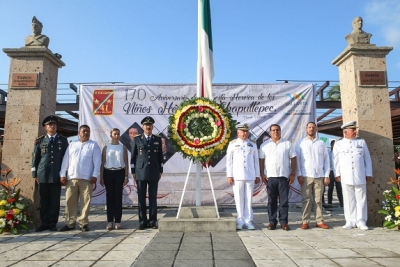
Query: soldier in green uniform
[
  {"x": 147, "y": 168},
  {"x": 47, "y": 157}
]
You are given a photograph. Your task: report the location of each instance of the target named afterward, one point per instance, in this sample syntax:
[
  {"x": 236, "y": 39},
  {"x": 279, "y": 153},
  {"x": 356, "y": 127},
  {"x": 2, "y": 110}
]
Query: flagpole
[{"x": 199, "y": 94}]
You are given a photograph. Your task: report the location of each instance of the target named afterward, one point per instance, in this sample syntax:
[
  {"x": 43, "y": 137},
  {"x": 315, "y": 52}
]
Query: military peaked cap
[
  {"x": 242, "y": 126},
  {"x": 147, "y": 120},
  {"x": 350, "y": 125},
  {"x": 50, "y": 119}
]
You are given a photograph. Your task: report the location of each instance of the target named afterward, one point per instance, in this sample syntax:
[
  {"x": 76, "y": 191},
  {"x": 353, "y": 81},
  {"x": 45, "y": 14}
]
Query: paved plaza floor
[{"x": 261, "y": 247}]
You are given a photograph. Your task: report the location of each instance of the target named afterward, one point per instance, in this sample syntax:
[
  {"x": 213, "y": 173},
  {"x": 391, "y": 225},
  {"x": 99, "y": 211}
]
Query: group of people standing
[
  {"x": 79, "y": 164},
  {"x": 278, "y": 163}
]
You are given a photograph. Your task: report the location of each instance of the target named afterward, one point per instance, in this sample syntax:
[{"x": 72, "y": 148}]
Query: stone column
[
  {"x": 365, "y": 98},
  {"x": 27, "y": 105}
]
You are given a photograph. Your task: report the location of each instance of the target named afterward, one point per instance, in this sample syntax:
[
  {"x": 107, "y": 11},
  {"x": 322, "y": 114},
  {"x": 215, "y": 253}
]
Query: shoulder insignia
[
  {"x": 157, "y": 135},
  {"x": 252, "y": 141},
  {"x": 37, "y": 139},
  {"x": 138, "y": 135},
  {"x": 233, "y": 141},
  {"x": 340, "y": 139},
  {"x": 62, "y": 136}
]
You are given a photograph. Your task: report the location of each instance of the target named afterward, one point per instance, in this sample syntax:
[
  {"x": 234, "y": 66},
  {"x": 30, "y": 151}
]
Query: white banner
[{"x": 123, "y": 106}]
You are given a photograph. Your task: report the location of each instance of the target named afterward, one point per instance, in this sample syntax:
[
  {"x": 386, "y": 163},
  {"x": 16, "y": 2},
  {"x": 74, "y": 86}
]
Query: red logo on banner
[{"x": 103, "y": 102}]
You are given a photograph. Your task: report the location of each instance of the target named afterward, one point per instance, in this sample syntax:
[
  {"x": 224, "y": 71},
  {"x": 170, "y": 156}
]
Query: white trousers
[
  {"x": 355, "y": 203},
  {"x": 243, "y": 191}
]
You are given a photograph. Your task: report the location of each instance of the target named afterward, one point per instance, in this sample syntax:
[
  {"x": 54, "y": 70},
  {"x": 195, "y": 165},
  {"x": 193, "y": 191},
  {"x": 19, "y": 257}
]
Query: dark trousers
[
  {"x": 278, "y": 187},
  {"x": 142, "y": 189},
  {"x": 49, "y": 203},
  {"x": 114, "y": 182},
  {"x": 332, "y": 184}
]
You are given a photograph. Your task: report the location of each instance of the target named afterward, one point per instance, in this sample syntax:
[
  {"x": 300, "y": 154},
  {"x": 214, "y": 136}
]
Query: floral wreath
[{"x": 200, "y": 129}]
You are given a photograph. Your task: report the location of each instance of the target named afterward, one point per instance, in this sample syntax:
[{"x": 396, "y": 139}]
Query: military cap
[
  {"x": 50, "y": 119},
  {"x": 350, "y": 125},
  {"x": 35, "y": 20},
  {"x": 242, "y": 126},
  {"x": 147, "y": 120}
]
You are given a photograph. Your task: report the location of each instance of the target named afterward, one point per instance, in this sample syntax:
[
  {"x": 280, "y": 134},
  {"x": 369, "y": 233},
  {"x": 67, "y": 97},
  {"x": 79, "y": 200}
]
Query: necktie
[
  {"x": 148, "y": 139},
  {"x": 51, "y": 141}
]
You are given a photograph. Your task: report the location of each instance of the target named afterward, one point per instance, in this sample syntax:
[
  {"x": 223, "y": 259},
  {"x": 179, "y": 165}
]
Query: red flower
[
  {"x": 182, "y": 126},
  {"x": 201, "y": 109},
  {"x": 11, "y": 200},
  {"x": 9, "y": 216},
  {"x": 398, "y": 196},
  {"x": 196, "y": 141},
  {"x": 218, "y": 123}
]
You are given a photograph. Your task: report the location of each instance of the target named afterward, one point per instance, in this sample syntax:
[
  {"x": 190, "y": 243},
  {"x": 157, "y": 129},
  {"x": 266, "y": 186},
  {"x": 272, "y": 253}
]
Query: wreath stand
[{"x": 184, "y": 190}]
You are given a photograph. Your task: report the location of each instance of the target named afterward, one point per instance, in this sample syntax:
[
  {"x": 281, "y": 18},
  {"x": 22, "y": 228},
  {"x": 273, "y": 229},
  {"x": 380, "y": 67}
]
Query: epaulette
[
  {"x": 40, "y": 137},
  {"x": 62, "y": 136},
  {"x": 138, "y": 135},
  {"x": 233, "y": 141},
  {"x": 253, "y": 141},
  {"x": 340, "y": 139},
  {"x": 157, "y": 135}
]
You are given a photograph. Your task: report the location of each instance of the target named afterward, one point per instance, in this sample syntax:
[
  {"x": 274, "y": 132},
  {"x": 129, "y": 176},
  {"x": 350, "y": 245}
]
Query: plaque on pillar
[
  {"x": 372, "y": 78},
  {"x": 25, "y": 80}
]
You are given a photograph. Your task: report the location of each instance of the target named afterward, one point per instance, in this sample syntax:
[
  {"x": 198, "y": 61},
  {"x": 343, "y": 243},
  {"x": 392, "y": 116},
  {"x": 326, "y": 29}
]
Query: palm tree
[{"x": 333, "y": 93}]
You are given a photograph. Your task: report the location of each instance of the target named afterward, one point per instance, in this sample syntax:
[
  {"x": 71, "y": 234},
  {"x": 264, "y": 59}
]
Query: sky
[{"x": 155, "y": 41}]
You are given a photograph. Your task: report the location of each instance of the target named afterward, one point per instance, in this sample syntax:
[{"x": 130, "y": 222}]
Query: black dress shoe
[
  {"x": 42, "y": 228},
  {"x": 66, "y": 228},
  {"x": 142, "y": 227},
  {"x": 53, "y": 228},
  {"x": 85, "y": 228},
  {"x": 153, "y": 226}
]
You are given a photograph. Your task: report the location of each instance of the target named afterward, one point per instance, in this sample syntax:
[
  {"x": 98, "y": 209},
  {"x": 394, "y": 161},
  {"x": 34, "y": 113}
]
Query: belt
[{"x": 114, "y": 169}]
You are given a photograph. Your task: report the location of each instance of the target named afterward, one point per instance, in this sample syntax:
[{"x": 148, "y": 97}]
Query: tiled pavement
[{"x": 260, "y": 247}]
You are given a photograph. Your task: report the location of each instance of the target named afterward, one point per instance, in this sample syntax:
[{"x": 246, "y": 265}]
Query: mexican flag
[{"x": 205, "y": 65}]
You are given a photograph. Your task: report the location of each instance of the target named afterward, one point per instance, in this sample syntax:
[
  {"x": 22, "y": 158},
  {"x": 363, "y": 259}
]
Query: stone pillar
[
  {"x": 27, "y": 105},
  {"x": 365, "y": 98}
]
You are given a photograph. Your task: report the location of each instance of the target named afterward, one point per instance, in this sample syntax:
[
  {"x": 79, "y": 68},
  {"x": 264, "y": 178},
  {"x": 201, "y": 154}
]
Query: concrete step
[{"x": 197, "y": 219}]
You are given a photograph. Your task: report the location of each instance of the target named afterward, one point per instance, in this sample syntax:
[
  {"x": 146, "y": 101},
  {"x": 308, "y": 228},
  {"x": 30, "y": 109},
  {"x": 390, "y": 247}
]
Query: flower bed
[{"x": 200, "y": 129}]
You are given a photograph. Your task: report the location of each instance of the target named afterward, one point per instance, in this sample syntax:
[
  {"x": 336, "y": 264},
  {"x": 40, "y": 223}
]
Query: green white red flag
[{"x": 205, "y": 65}]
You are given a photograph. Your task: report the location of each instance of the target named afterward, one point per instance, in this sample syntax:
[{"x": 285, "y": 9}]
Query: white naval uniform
[
  {"x": 352, "y": 162},
  {"x": 242, "y": 164}
]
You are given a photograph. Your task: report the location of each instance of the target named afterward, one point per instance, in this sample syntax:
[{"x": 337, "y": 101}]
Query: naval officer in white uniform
[
  {"x": 353, "y": 167},
  {"x": 243, "y": 170}
]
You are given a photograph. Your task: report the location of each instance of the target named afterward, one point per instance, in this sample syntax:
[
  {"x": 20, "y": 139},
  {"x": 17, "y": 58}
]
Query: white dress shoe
[
  {"x": 239, "y": 226},
  {"x": 250, "y": 226},
  {"x": 362, "y": 227},
  {"x": 348, "y": 226}
]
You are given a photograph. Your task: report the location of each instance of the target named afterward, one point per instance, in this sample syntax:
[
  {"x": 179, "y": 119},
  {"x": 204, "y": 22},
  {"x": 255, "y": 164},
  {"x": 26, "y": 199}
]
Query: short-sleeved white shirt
[{"x": 277, "y": 157}]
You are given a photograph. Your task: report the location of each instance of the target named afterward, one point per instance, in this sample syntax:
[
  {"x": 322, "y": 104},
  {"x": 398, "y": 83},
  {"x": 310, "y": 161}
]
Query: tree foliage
[{"x": 333, "y": 93}]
